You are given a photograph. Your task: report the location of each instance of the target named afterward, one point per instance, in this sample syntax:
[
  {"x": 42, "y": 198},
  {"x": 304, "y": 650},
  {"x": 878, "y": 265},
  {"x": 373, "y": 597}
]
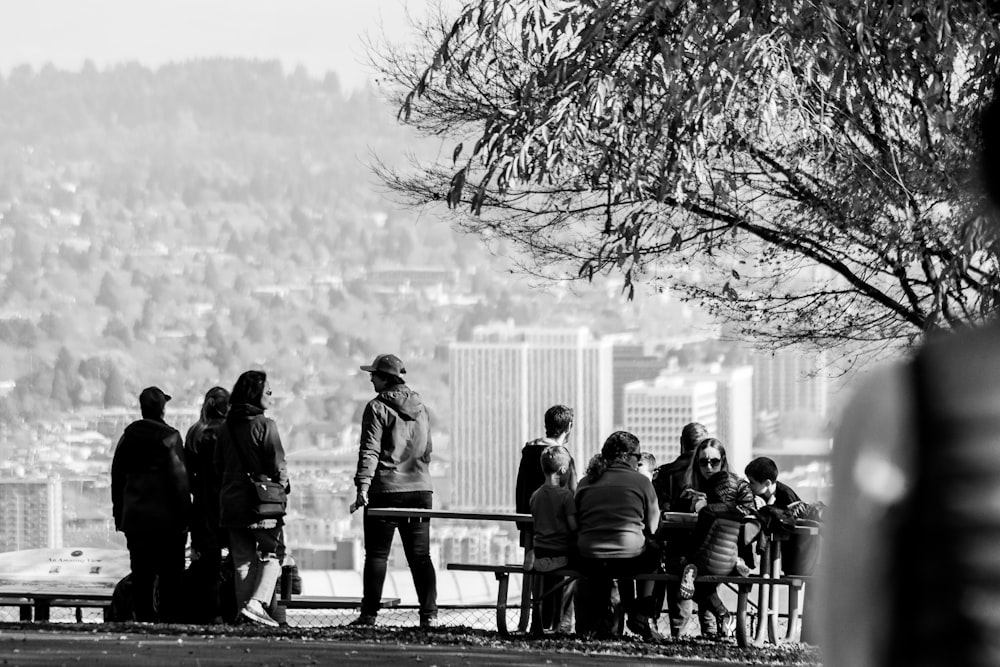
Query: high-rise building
[
  {"x": 790, "y": 381},
  {"x": 631, "y": 363},
  {"x": 31, "y": 514},
  {"x": 731, "y": 422},
  {"x": 502, "y": 381},
  {"x": 734, "y": 409},
  {"x": 657, "y": 410}
]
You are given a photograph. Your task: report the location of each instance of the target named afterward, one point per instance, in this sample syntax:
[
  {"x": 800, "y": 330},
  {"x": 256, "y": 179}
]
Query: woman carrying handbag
[{"x": 250, "y": 462}]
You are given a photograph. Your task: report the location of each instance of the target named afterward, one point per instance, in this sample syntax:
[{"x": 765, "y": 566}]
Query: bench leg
[
  {"x": 772, "y": 616},
  {"x": 533, "y": 583},
  {"x": 763, "y": 612},
  {"x": 504, "y": 584},
  {"x": 807, "y": 629},
  {"x": 742, "y": 635},
  {"x": 526, "y": 584},
  {"x": 795, "y": 594}
]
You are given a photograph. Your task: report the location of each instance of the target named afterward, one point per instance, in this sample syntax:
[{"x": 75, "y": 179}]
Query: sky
[{"x": 322, "y": 35}]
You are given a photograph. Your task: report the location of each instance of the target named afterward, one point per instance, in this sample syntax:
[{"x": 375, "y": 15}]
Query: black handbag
[{"x": 269, "y": 497}]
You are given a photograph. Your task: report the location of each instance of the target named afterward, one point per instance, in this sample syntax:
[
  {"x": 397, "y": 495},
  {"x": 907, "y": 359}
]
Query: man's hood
[
  {"x": 404, "y": 401},
  {"x": 539, "y": 442},
  {"x": 150, "y": 429}
]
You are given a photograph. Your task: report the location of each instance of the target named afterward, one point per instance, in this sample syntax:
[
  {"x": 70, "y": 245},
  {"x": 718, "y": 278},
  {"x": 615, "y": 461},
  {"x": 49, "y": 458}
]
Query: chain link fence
[{"x": 483, "y": 618}]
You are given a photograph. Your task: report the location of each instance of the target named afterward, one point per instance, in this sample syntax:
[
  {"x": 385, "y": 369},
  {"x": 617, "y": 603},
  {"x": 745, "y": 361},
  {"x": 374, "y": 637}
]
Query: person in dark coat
[
  {"x": 393, "y": 458},
  {"x": 255, "y": 544},
  {"x": 669, "y": 482},
  {"x": 530, "y": 476},
  {"x": 206, "y": 545},
  {"x": 670, "y": 479},
  {"x": 151, "y": 503}
]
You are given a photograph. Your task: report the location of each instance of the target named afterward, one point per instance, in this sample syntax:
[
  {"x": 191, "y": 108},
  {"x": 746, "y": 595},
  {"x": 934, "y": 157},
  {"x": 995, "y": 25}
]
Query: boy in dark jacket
[
  {"x": 762, "y": 473},
  {"x": 151, "y": 504}
]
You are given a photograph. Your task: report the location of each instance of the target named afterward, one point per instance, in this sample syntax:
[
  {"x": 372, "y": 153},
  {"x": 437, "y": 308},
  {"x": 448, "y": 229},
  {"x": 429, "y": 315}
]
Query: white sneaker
[{"x": 255, "y": 612}]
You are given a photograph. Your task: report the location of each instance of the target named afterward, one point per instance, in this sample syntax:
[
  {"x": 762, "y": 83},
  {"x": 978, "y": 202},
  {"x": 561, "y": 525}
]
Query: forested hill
[{"x": 179, "y": 225}]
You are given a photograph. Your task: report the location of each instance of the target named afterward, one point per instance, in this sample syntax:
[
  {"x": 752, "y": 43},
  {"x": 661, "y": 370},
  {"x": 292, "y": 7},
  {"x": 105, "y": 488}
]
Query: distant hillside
[{"x": 177, "y": 226}]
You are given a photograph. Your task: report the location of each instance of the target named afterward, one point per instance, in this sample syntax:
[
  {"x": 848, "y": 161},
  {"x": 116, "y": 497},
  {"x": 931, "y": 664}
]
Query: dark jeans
[
  {"x": 157, "y": 553},
  {"x": 557, "y": 605},
  {"x": 636, "y": 596},
  {"x": 416, "y": 537}
]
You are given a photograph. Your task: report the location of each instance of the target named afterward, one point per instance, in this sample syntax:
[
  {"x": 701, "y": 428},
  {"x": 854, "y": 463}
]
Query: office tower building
[
  {"x": 731, "y": 422},
  {"x": 31, "y": 514},
  {"x": 789, "y": 381},
  {"x": 734, "y": 409},
  {"x": 631, "y": 364},
  {"x": 657, "y": 410},
  {"x": 502, "y": 381}
]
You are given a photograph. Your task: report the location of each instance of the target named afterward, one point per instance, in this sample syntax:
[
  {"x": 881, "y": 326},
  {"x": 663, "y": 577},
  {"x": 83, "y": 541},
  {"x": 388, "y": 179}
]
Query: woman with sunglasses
[
  {"x": 709, "y": 479},
  {"x": 721, "y": 499}
]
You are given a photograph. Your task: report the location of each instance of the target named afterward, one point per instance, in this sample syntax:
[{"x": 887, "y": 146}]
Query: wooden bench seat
[
  {"x": 743, "y": 587},
  {"x": 328, "y": 602},
  {"x": 37, "y": 606}
]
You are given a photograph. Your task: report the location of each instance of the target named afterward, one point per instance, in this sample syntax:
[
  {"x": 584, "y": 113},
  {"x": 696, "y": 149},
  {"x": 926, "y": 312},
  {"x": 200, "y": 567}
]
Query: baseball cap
[
  {"x": 389, "y": 364},
  {"x": 153, "y": 397}
]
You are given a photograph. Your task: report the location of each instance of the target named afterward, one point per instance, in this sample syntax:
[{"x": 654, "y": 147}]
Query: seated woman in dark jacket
[
  {"x": 721, "y": 499},
  {"x": 617, "y": 513},
  {"x": 255, "y": 544}
]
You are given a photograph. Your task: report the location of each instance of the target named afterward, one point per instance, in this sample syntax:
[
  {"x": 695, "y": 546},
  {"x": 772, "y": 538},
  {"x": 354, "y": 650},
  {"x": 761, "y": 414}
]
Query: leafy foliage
[{"x": 804, "y": 168}]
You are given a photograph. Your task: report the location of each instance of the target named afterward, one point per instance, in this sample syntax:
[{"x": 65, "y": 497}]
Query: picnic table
[{"x": 766, "y": 581}]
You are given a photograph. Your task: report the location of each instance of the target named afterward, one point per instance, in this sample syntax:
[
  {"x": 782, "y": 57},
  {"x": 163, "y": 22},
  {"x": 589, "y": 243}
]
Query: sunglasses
[{"x": 704, "y": 463}]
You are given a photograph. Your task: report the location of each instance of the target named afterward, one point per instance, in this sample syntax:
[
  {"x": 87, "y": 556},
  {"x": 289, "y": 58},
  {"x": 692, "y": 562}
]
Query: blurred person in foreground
[
  {"x": 393, "y": 471},
  {"x": 910, "y": 570},
  {"x": 248, "y": 443},
  {"x": 206, "y": 545},
  {"x": 151, "y": 503}
]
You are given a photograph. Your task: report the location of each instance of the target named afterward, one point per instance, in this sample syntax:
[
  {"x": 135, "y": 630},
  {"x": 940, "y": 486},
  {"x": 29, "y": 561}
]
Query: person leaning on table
[
  {"x": 393, "y": 460},
  {"x": 911, "y": 574}
]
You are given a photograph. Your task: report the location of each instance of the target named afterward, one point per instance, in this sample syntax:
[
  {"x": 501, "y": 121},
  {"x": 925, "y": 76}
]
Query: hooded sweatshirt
[
  {"x": 395, "y": 448},
  {"x": 149, "y": 483}
]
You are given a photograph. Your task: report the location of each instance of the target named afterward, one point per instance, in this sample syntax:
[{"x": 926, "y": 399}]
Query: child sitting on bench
[{"x": 553, "y": 510}]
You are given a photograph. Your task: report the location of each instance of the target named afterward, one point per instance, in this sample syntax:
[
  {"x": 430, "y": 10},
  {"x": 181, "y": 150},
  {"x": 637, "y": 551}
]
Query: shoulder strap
[{"x": 240, "y": 454}]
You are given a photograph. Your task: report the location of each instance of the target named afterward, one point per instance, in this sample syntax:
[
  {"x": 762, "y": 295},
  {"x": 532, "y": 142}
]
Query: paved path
[{"x": 103, "y": 649}]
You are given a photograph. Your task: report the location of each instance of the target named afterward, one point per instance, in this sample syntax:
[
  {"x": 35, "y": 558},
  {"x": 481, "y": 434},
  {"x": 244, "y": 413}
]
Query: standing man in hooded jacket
[
  {"x": 393, "y": 461},
  {"x": 151, "y": 503}
]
